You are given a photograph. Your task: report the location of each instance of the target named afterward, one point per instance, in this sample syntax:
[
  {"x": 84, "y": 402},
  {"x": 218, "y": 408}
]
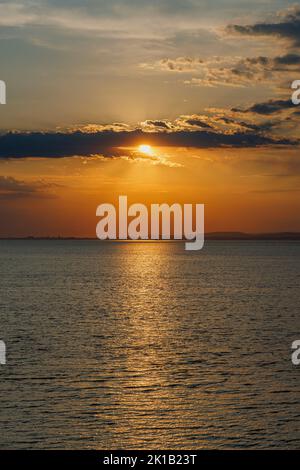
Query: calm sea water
[{"x": 145, "y": 345}]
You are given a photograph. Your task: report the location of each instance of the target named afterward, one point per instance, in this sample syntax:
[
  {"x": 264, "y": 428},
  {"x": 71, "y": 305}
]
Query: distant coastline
[{"x": 208, "y": 236}]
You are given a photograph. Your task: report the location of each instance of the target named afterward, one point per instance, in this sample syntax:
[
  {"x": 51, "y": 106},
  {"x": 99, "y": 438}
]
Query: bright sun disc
[{"x": 146, "y": 149}]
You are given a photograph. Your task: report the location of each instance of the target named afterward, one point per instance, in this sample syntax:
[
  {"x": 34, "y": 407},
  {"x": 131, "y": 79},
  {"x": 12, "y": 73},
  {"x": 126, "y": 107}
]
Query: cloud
[
  {"x": 195, "y": 122},
  {"x": 230, "y": 71},
  {"x": 151, "y": 125},
  {"x": 159, "y": 19},
  {"x": 268, "y": 107},
  {"x": 112, "y": 16},
  {"x": 234, "y": 71},
  {"x": 287, "y": 26},
  {"x": 178, "y": 64},
  {"x": 98, "y": 20},
  {"x": 11, "y": 188},
  {"x": 288, "y": 59},
  {"x": 115, "y": 144}
]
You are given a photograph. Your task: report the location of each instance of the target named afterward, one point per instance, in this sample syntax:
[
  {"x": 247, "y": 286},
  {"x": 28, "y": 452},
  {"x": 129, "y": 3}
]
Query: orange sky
[{"x": 239, "y": 191}]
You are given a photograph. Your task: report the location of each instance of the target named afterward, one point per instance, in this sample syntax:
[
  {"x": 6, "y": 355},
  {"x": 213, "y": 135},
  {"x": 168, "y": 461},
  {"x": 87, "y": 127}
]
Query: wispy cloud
[{"x": 11, "y": 188}]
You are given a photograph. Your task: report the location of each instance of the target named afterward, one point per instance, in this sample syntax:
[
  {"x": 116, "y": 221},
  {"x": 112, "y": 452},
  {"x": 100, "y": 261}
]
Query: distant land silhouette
[{"x": 208, "y": 236}]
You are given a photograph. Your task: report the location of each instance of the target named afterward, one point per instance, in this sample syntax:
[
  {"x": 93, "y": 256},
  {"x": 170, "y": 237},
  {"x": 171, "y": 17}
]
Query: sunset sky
[{"x": 164, "y": 101}]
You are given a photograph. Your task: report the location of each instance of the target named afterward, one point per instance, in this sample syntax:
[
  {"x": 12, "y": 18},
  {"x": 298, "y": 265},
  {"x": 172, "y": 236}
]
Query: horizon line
[{"x": 209, "y": 236}]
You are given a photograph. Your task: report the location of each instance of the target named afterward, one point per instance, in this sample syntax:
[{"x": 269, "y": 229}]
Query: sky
[{"x": 206, "y": 84}]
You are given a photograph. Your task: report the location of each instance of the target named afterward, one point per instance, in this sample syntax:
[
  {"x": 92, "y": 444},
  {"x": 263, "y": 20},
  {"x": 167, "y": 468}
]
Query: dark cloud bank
[
  {"x": 286, "y": 27},
  {"x": 108, "y": 143},
  {"x": 267, "y": 108}
]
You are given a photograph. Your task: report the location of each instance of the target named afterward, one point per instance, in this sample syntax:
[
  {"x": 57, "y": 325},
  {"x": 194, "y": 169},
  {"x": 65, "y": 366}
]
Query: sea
[{"x": 143, "y": 345}]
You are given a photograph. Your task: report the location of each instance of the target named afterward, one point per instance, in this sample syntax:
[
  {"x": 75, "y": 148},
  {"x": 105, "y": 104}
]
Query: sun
[{"x": 145, "y": 149}]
